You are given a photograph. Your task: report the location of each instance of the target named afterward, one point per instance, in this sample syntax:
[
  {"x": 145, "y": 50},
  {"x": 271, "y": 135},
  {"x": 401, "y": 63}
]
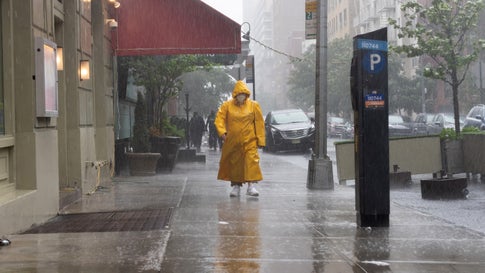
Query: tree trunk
[{"x": 456, "y": 107}]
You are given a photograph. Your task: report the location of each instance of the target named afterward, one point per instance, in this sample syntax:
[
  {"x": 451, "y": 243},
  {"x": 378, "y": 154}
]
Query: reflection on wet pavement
[
  {"x": 239, "y": 244},
  {"x": 287, "y": 229}
]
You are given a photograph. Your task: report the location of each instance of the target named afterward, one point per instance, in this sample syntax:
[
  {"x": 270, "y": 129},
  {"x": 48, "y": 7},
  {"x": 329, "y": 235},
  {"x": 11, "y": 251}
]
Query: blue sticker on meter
[{"x": 374, "y": 100}]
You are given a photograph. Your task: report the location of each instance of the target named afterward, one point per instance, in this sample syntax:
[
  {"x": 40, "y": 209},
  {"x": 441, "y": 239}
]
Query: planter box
[
  {"x": 474, "y": 153},
  {"x": 444, "y": 188},
  {"x": 400, "y": 179},
  {"x": 143, "y": 164},
  {"x": 452, "y": 156},
  {"x": 418, "y": 155},
  {"x": 167, "y": 147}
]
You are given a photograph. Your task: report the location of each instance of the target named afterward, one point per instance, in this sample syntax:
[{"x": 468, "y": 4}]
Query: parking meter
[{"x": 369, "y": 95}]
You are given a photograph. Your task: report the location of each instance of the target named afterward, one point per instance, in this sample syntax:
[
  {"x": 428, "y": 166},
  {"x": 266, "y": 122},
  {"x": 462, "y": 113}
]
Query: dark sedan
[
  {"x": 339, "y": 127},
  {"x": 476, "y": 117},
  {"x": 397, "y": 126},
  {"x": 289, "y": 129},
  {"x": 445, "y": 121},
  {"x": 423, "y": 125}
]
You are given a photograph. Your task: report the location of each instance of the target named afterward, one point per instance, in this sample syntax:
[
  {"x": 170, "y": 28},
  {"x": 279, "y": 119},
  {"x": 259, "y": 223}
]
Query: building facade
[
  {"x": 340, "y": 19},
  {"x": 278, "y": 30},
  {"x": 49, "y": 158}
]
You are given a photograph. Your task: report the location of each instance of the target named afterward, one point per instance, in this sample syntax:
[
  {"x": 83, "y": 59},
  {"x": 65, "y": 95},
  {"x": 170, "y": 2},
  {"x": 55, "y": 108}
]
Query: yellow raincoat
[{"x": 244, "y": 128}]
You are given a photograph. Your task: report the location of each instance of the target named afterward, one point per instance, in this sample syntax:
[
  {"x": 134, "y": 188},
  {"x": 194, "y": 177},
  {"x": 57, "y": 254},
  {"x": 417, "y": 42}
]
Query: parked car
[
  {"x": 423, "y": 125},
  {"x": 476, "y": 117},
  {"x": 339, "y": 127},
  {"x": 289, "y": 129},
  {"x": 397, "y": 126},
  {"x": 444, "y": 120}
]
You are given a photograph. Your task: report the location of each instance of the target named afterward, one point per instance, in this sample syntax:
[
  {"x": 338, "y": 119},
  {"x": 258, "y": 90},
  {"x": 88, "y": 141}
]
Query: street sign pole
[
  {"x": 320, "y": 174},
  {"x": 250, "y": 76}
]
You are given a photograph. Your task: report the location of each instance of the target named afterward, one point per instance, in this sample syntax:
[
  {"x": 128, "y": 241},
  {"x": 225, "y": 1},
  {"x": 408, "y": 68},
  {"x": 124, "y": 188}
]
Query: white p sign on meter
[
  {"x": 373, "y": 62},
  {"x": 374, "y": 58}
]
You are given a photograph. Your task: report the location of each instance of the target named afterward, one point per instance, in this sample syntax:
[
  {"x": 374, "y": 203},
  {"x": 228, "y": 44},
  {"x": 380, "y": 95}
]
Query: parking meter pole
[
  {"x": 320, "y": 174},
  {"x": 369, "y": 93}
]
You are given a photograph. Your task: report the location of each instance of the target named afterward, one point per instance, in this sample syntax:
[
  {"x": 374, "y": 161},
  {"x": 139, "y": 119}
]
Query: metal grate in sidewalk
[{"x": 133, "y": 220}]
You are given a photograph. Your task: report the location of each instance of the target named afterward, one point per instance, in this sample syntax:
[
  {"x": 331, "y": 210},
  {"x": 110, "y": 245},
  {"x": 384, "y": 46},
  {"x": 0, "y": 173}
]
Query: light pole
[
  {"x": 187, "y": 109},
  {"x": 249, "y": 60},
  {"x": 320, "y": 174},
  {"x": 423, "y": 100},
  {"x": 482, "y": 96}
]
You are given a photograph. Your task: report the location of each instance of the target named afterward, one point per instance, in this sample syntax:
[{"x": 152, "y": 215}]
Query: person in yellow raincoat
[{"x": 239, "y": 122}]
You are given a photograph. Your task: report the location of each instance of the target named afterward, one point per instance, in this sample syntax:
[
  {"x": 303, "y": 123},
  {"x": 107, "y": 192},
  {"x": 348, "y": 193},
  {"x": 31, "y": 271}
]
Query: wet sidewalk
[{"x": 287, "y": 229}]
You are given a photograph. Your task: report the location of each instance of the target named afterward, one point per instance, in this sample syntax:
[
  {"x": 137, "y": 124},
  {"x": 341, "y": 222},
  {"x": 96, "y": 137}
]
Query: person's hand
[{"x": 224, "y": 136}]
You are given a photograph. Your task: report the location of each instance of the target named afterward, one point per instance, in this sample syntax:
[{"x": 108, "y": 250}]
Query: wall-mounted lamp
[
  {"x": 246, "y": 34},
  {"x": 60, "y": 59},
  {"x": 116, "y": 4},
  {"x": 84, "y": 70},
  {"x": 112, "y": 23}
]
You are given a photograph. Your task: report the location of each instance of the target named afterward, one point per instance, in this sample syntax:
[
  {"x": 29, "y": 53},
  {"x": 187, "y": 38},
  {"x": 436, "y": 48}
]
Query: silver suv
[{"x": 476, "y": 117}]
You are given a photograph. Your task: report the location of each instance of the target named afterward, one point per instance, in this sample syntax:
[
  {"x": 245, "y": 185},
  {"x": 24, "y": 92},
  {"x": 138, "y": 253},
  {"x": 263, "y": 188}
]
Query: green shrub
[
  {"x": 171, "y": 129},
  {"x": 448, "y": 133},
  {"x": 141, "y": 139},
  {"x": 471, "y": 129},
  {"x": 166, "y": 128}
]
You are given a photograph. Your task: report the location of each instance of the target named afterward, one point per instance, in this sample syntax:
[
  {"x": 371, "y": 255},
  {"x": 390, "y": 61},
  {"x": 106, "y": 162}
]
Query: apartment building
[{"x": 57, "y": 137}]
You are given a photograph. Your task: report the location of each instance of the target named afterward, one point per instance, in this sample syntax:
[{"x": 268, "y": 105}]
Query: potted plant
[
  {"x": 161, "y": 78},
  {"x": 141, "y": 160},
  {"x": 165, "y": 140}
]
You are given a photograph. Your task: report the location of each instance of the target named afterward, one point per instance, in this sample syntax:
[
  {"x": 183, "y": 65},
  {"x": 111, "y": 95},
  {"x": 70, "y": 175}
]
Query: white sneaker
[
  {"x": 236, "y": 190},
  {"x": 252, "y": 190}
]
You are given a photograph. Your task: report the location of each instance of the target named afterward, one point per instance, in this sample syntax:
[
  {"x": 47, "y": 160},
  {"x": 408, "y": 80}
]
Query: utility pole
[
  {"x": 482, "y": 96},
  {"x": 423, "y": 100},
  {"x": 320, "y": 174}
]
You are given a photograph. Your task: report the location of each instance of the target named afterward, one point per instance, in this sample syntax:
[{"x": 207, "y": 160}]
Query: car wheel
[
  {"x": 269, "y": 147},
  {"x": 304, "y": 149}
]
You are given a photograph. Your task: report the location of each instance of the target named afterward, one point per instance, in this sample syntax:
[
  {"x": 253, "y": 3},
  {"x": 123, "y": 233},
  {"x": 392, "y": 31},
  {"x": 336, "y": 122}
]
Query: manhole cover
[{"x": 134, "y": 220}]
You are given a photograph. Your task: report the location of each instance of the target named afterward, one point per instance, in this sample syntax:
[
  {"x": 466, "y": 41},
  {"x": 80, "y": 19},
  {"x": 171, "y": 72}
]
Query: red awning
[{"x": 164, "y": 27}]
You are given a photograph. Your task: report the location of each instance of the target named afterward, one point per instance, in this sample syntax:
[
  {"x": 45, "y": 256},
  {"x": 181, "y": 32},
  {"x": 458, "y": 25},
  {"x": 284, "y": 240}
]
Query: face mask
[{"x": 240, "y": 98}]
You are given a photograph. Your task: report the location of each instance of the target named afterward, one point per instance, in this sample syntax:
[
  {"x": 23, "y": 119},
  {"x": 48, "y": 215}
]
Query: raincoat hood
[{"x": 239, "y": 88}]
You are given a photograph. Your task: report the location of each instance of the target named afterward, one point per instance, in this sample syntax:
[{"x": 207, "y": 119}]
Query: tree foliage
[
  {"x": 404, "y": 93},
  {"x": 161, "y": 77},
  {"x": 140, "y": 141},
  {"x": 207, "y": 89},
  {"x": 302, "y": 80},
  {"x": 338, "y": 77},
  {"x": 444, "y": 31}
]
